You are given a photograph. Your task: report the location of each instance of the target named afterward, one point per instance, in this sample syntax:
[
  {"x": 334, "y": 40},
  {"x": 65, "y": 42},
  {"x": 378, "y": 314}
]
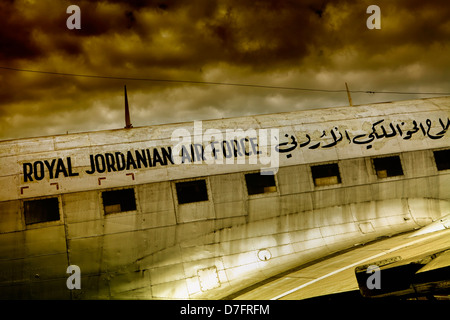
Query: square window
[
  {"x": 42, "y": 210},
  {"x": 326, "y": 174},
  {"x": 119, "y": 201},
  {"x": 442, "y": 159},
  {"x": 388, "y": 167},
  {"x": 258, "y": 183},
  {"x": 191, "y": 191}
]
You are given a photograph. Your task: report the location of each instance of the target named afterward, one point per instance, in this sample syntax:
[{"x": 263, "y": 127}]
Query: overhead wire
[{"x": 216, "y": 83}]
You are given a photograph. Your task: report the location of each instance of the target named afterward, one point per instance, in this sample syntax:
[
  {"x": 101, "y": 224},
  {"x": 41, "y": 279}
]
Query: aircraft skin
[{"x": 191, "y": 211}]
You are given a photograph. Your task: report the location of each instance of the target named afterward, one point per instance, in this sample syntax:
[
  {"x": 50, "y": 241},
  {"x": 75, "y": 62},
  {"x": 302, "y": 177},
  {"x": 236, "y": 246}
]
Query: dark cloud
[
  {"x": 15, "y": 41},
  {"x": 260, "y": 34},
  {"x": 312, "y": 43}
]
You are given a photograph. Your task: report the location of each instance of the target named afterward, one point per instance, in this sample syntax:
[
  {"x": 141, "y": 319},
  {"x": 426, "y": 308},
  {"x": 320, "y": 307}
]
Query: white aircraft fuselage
[{"x": 200, "y": 210}]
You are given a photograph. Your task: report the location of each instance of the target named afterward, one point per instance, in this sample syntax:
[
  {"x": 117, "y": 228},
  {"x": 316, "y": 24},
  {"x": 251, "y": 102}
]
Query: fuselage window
[
  {"x": 191, "y": 191},
  {"x": 326, "y": 174},
  {"x": 258, "y": 183},
  {"x": 388, "y": 166},
  {"x": 442, "y": 159},
  {"x": 41, "y": 210},
  {"x": 119, "y": 201}
]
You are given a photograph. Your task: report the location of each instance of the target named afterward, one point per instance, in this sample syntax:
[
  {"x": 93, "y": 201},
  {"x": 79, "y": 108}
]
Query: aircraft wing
[{"x": 410, "y": 265}]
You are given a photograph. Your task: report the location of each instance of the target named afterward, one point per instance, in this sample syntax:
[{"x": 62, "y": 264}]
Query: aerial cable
[{"x": 216, "y": 83}]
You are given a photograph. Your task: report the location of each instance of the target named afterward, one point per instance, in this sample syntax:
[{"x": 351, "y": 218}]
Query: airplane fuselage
[{"x": 205, "y": 209}]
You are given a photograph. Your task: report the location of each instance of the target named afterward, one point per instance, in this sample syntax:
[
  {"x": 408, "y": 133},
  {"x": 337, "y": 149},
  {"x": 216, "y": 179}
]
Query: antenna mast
[
  {"x": 349, "y": 96},
  {"x": 128, "y": 124}
]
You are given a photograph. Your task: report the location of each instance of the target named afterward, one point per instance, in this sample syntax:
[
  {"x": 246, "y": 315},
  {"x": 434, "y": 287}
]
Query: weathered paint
[{"x": 210, "y": 249}]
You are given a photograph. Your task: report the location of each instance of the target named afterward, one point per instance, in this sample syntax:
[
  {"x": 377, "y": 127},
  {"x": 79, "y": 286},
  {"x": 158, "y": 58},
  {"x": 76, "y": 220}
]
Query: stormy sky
[{"x": 316, "y": 44}]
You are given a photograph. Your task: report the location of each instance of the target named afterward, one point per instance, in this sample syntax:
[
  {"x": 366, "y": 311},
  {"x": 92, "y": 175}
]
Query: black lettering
[
  {"x": 100, "y": 159},
  {"x": 147, "y": 151},
  {"x": 185, "y": 154},
  {"x": 38, "y": 172},
  {"x": 243, "y": 146},
  {"x": 141, "y": 159},
  {"x": 91, "y": 158},
  {"x": 229, "y": 153},
  {"x": 110, "y": 162},
  {"x": 120, "y": 161},
  {"x": 199, "y": 152},
  {"x": 50, "y": 167},
  {"x": 130, "y": 161},
  {"x": 60, "y": 167},
  {"x": 423, "y": 129},
  {"x": 254, "y": 146},
  {"x": 237, "y": 149},
  {"x": 214, "y": 149},
  {"x": 192, "y": 153},
  {"x": 69, "y": 166},
  {"x": 27, "y": 171},
  {"x": 157, "y": 157},
  {"x": 167, "y": 155}
]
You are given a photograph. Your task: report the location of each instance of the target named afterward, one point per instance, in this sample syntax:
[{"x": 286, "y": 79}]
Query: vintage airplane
[{"x": 202, "y": 210}]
